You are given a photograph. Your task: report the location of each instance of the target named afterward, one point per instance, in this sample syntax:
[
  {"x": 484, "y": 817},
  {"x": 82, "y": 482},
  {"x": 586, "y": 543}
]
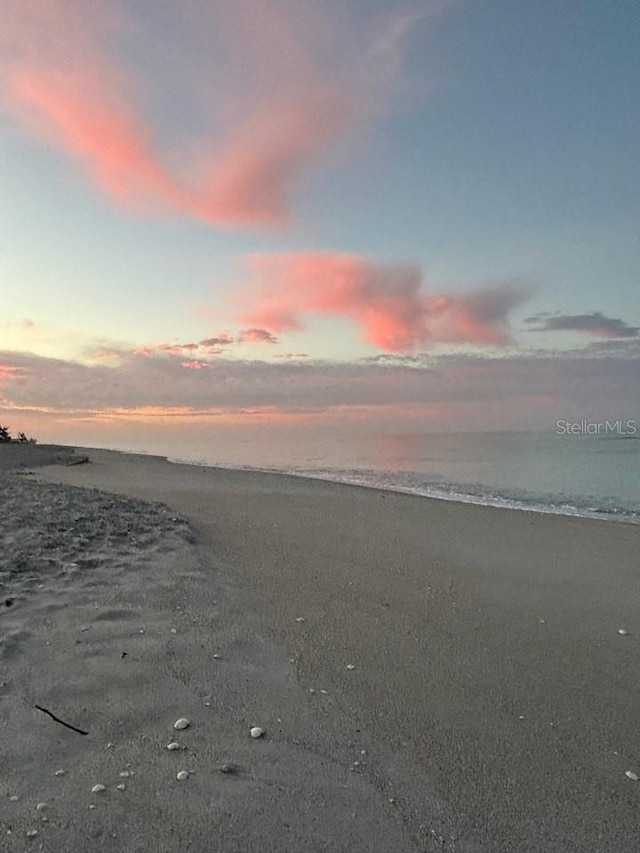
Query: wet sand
[{"x": 429, "y": 675}]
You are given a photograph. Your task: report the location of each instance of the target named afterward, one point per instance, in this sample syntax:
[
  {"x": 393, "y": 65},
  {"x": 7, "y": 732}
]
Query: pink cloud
[
  {"x": 292, "y": 356},
  {"x": 218, "y": 340},
  {"x": 256, "y": 336},
  {"x": 208, "y": 346},
  {"x": 212, "y": 346},
  {"x": 146, "y": 351},
  {"x": 9, "y": 373},
  {"x": 62, "y": 84},
  {"x": 194, "y": 365},
  {"x": 177, "y": 349},
  {"x": 171, "y": 348},
  {"x": 281, "y": 96},
  {"x": 385, "y": 300}
]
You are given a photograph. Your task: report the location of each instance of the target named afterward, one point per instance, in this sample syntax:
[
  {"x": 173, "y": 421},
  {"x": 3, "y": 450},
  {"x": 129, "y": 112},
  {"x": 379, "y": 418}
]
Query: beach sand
[{"x": 429, "y": 676}]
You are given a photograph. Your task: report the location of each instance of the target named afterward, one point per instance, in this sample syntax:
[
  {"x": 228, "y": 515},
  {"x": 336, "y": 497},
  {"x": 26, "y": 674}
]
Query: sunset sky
[{"x": 407, "y": 216}]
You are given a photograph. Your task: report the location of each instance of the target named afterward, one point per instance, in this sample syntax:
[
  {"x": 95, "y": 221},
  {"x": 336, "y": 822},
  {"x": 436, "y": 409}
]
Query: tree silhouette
[{"x": 5, "y": 436}]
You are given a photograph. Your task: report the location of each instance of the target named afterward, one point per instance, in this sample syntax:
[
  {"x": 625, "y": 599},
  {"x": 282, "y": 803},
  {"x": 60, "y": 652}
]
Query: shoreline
[
  {"x": 466, "y": 499},
  {"x": 625, "y": 517},
  {"x": 492, "y": 704}
]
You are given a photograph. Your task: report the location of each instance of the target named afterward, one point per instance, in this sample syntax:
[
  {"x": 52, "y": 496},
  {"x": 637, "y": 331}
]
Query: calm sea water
[{"x": 585, "y": 475}]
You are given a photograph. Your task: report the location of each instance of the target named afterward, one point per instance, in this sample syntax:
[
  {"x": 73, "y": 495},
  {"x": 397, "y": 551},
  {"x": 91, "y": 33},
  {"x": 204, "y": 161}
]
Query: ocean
[{"x": 595, "y": 476}]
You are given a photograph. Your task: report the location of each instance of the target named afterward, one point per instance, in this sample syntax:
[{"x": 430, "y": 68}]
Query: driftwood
[
  {"x": 77, "y": 460},
  {"x": 62, "y": 722}
]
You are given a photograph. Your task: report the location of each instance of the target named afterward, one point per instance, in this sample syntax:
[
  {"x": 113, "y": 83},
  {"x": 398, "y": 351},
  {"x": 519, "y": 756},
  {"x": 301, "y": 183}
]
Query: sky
[{"x": 354, "y": 214}]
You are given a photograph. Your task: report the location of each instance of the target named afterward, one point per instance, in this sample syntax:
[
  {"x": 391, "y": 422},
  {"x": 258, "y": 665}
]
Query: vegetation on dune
[{"x": 5, "y": 436}]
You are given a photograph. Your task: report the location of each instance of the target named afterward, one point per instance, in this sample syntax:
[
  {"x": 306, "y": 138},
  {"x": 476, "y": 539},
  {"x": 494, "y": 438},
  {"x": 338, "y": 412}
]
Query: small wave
[{"x": 417, "y": 484}]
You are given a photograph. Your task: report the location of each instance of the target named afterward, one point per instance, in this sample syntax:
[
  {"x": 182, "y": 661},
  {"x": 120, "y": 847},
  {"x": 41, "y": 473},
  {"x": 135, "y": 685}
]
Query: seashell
[
  {"x": 121, "y": 786},
  {"x": 182, "y": 775},
  {"x": 97, "y": 789},
  {"x": 14, "y": 798},
  {"x": 351, "y": 666},
  {"x": 182, "y": 723},
  {"x": 228, "y": 768},
  {"x": 256, "y": 732},
  {"x": 41, "y": 806},
  {"x": 631, "y": 775},
  {"x": 32, "y": 833},
  {"x": 60, "y": 772},
  {"x": 173, "y": 745},
  {"x": 623, "y": 632},
  {"x": 300, "y": 619}
]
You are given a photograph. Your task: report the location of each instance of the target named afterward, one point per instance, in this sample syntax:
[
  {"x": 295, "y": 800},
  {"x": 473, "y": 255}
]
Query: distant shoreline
[{"x": 364, "y": 479}]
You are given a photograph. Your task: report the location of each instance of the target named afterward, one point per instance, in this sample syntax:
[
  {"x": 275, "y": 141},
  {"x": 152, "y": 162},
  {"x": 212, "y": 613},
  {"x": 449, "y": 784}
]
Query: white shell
[
  {"x": 182, "y": 723},
  {"x": 173, "y": 745},
  {"x": 32, "y": 833},
  {"x": 351, "y": 666},
  {"x": 256, "y": 732},
  {"x": 60, "y": 772},
  {"x": 631, "y": 775},
  {"x": 623, "y": 632},
  {"x": 121, "y": 786},
  {"x": 97, "y": 789},
  {"x": 182, "y": 775},
  {"x": 41, "y": 806},
  {"x": 300, "y": 619}
]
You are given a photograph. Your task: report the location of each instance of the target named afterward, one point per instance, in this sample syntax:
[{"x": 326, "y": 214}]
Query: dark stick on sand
[{"x": 62, "y": 722}]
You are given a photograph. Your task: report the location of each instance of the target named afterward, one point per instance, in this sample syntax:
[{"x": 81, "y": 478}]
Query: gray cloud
[
  {"x": 593, "y": 324},
  {"x": 525, "y": 390}
]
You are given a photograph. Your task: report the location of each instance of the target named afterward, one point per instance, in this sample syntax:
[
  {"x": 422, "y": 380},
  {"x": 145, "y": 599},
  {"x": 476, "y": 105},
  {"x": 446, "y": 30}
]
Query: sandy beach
[{"x": 428, "y": 676}]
